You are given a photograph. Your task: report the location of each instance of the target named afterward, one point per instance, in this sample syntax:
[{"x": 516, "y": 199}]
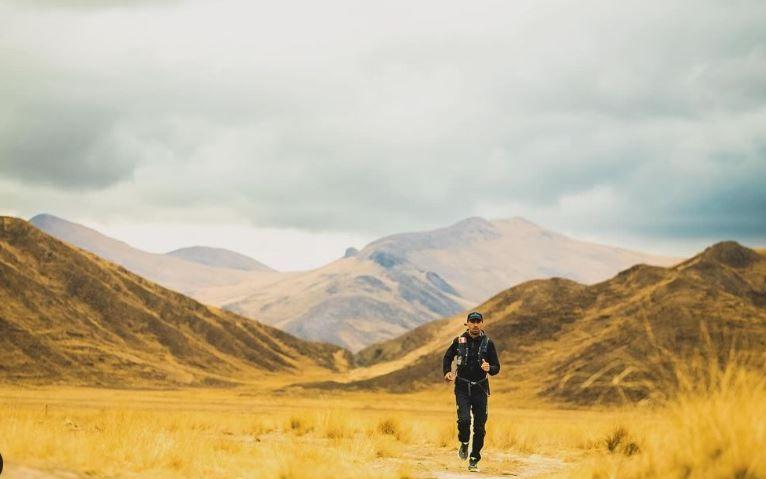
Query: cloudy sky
[{"x": 290, "y": 130}]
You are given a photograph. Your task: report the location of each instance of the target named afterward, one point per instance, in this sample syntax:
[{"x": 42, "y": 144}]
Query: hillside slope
[
  {"x": 392, "y": 285},
  {"x": 618, "y": 340},
  {"x": 173, "y": 271},
  {"x": 402, "y": 281},
  {"x": 67, "y": 316}
]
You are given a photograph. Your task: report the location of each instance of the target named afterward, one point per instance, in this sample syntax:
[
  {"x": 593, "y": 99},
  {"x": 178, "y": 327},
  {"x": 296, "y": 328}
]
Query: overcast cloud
[{"x": 643, "y": 122}]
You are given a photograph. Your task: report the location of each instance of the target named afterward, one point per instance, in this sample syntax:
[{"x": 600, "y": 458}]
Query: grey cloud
[
  {"x": 64, "y": 145},
  {"x": 641, "y": 117}
]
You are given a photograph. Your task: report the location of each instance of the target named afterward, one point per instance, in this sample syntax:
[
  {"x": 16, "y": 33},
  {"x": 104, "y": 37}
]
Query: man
[{"x": 476, "y": 356}]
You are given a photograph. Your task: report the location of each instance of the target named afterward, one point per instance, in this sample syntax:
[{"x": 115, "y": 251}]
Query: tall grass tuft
[{"x": 715, "y": 427}]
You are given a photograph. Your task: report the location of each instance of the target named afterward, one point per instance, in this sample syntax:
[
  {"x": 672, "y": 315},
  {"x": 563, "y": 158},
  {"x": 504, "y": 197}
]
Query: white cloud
[{"x": 362, "y": 118}]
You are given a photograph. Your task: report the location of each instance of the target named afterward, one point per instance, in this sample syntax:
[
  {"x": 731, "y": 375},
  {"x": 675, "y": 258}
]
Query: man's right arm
[{"x": 448, "y": 356}]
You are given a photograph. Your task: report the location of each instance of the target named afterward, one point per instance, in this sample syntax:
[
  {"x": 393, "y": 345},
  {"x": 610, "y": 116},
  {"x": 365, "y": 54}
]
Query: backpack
[{"x": 462, "y": 350}]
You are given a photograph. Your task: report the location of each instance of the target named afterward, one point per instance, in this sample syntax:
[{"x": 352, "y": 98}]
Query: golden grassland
[
  {"x": 244, "y": 433},
  {"x": 713, "y": 431}
]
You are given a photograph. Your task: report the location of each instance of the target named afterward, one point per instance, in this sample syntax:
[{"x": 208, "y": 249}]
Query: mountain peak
[
  {"x": 74, "y": 233},
  {"x": 473, "y": 222},
  {"x": 731, "y": 254},
  {"x": 471, "y": 229},
  {"x": 11, "y": 223},
  {"x": 219, "y": 258},
  {"x": 11, "y": 220},
  {"x": 46, "y": 218},
  {"x": 524, "y": 221},
  {"x": 518, "y": 222}
]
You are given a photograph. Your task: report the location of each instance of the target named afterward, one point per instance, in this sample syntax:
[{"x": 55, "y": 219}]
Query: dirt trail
[
  {"x": 432, "y": 463},
  {"x": 494, "y": 466},
  {"x": 425, "y": 463},
  {"x": 21, "y": 472}
]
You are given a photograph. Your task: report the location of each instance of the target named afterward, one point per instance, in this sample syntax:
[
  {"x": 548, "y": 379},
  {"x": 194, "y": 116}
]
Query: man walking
[{"x": 476, "y": 356}]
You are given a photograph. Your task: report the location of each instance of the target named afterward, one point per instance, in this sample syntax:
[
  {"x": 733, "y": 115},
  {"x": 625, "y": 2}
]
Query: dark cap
[{"x": 475, "y": 317}]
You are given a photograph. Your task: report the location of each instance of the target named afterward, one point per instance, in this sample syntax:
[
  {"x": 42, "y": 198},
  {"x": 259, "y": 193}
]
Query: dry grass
[
  {"x": 120, "y": 442},
  {"x": 222, "y": 434},
  {"x": 707, "y": 432},
  {"x": 716, "y": 431}
]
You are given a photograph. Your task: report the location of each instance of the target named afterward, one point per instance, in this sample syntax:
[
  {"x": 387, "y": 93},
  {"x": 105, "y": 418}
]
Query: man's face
[{"x": 474, "y": 327}]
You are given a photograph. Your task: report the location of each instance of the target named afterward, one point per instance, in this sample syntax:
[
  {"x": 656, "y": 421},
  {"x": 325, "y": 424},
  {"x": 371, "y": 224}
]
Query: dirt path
[
  {"x": 522, "y": 467},
  {"x": 497, "y": 465},
  {"x": 432, "y": 463},
  {"x": 21, "y": 472},
  {"x": 424, "y": 462}
]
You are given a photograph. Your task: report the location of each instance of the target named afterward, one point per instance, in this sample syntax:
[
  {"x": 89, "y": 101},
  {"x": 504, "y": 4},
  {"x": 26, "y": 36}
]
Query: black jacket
[{"x": 472, "y": 371}]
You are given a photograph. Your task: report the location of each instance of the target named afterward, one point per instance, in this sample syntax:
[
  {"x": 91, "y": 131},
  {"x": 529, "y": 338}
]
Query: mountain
[
  {"x": 387, "y": 288},
  {"x": 352, "y": 301},
  {"x": 480, "y": 257},
  {"x": 619, "y": 340},
  {"x": 219, "y": 258},
  {"x": 402, "y": 281},
  {"x": 176, "y": 271},
  {"x": 68, "y": 316}
]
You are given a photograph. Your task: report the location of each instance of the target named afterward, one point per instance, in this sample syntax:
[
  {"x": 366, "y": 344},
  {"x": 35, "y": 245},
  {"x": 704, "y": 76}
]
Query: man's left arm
[{"x": 494, "y": 362}]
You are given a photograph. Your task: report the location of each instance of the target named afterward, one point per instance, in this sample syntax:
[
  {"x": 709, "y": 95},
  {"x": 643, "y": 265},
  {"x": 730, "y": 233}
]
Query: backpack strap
[
  {"x": 462, "y": 350},
  {"x": 483, "y": 348}
]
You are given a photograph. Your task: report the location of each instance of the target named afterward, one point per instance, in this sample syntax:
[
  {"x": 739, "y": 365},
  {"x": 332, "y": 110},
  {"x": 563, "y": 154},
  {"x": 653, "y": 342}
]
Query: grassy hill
[
  {"x": 623, "y": 339},
  {"x": 391, "y": 286},
  {"x": 67, "y": 316}
]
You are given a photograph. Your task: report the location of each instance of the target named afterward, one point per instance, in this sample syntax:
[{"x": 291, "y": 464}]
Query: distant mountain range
[
  {"x": 182, "y": 271},
  {"x": 68, "y": 316},
  {"x": 618, "y": 340},
  {"x": 399, "y": 282},
  {"x": 392, "y": 285},
  {"x": 219, "y": 258}
]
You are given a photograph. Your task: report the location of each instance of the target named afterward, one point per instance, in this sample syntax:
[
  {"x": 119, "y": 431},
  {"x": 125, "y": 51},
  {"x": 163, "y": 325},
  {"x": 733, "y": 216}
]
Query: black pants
[{"x": 476, "y": 403}]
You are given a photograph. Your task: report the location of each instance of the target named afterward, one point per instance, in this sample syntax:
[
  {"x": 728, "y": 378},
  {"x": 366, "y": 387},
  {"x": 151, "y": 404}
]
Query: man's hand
[
  {"x": 484, "y": 366},
  {"x": 449, "y": 377}
]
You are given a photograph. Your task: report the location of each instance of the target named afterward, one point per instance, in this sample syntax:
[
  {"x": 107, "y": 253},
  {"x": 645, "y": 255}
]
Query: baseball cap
[{"x": 475, "y": 317}]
